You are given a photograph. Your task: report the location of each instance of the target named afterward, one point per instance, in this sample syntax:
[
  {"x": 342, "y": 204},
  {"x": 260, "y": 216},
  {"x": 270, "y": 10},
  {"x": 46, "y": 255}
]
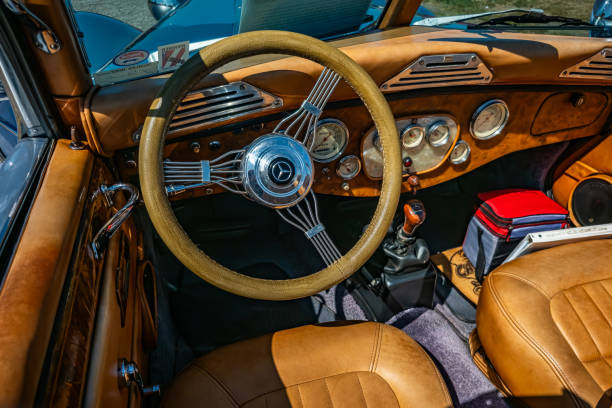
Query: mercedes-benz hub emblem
[{"x": 281, "y": 170}]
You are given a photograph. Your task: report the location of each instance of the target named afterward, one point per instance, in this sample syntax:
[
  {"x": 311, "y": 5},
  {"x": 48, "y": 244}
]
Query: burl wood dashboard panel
[
  {"x": 526, "y": 72},
  {"x": 525, "y": 107},
  {"x": 513, "y": 58}
]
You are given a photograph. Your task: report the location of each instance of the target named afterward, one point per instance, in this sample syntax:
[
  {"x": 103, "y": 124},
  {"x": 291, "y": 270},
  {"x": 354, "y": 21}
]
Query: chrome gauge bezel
[
  {"x": 353, "y": 174},
  {"x": 465, "y": 155},
  {"x": 434, "y": 126},
  {"x": 424, "y": 157},
  {"x": 341, "y": 150},
  {"x": 408, "y": 129},
  {"x": 499, "y": 128}
]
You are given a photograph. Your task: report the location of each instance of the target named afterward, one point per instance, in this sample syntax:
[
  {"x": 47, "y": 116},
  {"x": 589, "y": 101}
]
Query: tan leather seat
[
  {"x": 342, "y": 365},
  {"x": 545, "y": 323}
]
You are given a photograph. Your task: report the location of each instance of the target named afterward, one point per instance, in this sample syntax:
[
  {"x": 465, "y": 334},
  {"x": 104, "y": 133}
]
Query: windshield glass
[
  {"x": 576, "y": 8},
  {"x": 126, "y": 39},
  {"x": 577, "y": 18}
]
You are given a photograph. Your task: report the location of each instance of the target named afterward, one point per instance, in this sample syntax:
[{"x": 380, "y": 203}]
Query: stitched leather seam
[
  {"x": 328, "y": 391},
  {"x": 219, "y": 384},
  {"x": 586, "y": 329},
  {"x": 609, "y": 365},
  {"x": 527, "y": 281},
  {"x": 604, "y": 286},
  {"x": 365, "y": 400},
  {"x": 596, "y": 305},
  {"x": 299, "y": 395},
  {"x": 297, "y": 385},
  {"x": 584, "y": 283},
  {"x": 593, "y": 360},
  {"x": 376, "y": 348},
  {"x": 552, "y": 363}
]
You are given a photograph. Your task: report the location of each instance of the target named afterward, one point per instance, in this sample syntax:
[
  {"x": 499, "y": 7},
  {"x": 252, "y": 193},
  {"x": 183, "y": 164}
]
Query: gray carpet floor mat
[{"x": 446, "y": 342}]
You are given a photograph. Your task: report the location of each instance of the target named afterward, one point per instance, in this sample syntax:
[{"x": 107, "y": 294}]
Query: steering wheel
[{"x": 275, "y": 170}]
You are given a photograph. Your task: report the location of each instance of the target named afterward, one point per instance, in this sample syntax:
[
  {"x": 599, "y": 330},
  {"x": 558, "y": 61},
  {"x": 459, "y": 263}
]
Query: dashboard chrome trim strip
[{"x": 440, "y": 70}]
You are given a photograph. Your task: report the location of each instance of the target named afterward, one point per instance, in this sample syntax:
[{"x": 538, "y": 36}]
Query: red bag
[{"x": 503, "y": 219}]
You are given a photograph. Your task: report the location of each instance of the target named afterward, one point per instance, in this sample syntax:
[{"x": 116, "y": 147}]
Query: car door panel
[{"x": 33, "y": 284}]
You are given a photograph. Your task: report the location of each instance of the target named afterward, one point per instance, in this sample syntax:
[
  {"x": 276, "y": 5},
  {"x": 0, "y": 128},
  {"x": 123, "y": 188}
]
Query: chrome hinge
[
  {"x": 100, "y": 241},
  {"x": 44, "y": 37}
]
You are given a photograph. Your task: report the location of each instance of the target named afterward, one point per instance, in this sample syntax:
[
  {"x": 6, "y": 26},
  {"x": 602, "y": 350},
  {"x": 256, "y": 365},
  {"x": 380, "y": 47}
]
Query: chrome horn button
[{"x": 278, "y": 171}]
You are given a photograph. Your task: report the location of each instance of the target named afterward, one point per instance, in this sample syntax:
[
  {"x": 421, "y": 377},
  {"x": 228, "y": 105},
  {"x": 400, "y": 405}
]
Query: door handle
[{"x": 100, "y": 240}]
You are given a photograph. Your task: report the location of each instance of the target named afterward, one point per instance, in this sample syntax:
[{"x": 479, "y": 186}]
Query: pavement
[{"x": 133, "y": 12}]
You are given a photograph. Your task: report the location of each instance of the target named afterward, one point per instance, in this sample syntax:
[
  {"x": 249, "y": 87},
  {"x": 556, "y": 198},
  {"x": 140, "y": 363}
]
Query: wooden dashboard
[
  {"x": 528, "y": 72},
  {"x": 536, "y": 118}
]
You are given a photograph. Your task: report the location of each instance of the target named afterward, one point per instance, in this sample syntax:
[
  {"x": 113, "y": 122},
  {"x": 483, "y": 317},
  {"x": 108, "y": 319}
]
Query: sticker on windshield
[
  {"x": 172, "y": 56},
  {"x": 130, "y": 58}
]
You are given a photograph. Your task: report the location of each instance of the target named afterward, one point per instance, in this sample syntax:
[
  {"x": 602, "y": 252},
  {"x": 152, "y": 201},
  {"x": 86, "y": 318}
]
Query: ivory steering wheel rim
[{"x": 150, "y": 159}]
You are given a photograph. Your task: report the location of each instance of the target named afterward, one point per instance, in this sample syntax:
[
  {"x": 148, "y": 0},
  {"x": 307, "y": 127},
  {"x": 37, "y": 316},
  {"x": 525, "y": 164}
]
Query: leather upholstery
[
  {"x": 545, "y": 323},
  {"x": 341, "y": 365},
  {"x": 33, "y": 284}
]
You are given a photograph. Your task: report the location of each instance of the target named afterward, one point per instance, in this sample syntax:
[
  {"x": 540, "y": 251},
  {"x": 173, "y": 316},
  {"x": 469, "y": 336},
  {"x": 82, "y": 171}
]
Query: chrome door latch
[
  {"x": 100, "y": 240},
  {"x": 129, "y": 375}
]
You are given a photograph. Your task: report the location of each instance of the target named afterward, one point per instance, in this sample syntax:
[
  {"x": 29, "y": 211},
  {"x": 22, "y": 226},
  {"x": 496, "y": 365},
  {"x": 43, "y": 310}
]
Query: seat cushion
[
  {"x": 339, "y": 365},
  {"x": 545, "y": 323}
]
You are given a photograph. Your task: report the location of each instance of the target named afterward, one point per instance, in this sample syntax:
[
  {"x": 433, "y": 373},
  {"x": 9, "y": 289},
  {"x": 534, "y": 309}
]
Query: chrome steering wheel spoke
[
  {"x": 305, "y": 217},
  {"x": 302, "y": 123},
  {"x": 225, "y": 171}
]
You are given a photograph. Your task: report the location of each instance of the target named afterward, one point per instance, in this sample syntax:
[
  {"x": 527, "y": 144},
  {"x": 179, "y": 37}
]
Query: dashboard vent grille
[
  {"x": 440, "y": 70},
  {"x": 599, "y": 66},
  {"x": 219, "y": 104}
]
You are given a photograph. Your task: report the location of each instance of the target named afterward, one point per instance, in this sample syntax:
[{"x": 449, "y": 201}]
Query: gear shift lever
[
  {"x": 414, "y": 216},
  {"x": 404, "y": 250}
]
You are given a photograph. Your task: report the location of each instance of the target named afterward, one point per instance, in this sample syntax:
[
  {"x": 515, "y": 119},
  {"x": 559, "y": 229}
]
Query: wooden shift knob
[{"x": 414, "y": 215}]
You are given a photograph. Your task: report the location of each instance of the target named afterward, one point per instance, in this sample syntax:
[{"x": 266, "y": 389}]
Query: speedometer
[
  {"x": 331, "y": 137},
  {"x": 489, "y": 119}
]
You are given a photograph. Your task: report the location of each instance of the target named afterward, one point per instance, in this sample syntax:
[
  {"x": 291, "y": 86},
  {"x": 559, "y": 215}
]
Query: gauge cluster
[
  {"x": 464, "y": 132},
  {"x": 425, "y": 142}
]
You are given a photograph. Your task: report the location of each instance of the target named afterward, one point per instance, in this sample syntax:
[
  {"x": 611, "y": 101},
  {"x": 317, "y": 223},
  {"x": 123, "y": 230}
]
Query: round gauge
[
  {"x": 460, "y": 153},
  {"x": 438, "y": 134},
  {"x": 349, "y": 167},
  {"x": 331, "y": 137},
  {"x": 489, "y": 119},
  {"x": 412, "y": 136}
]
